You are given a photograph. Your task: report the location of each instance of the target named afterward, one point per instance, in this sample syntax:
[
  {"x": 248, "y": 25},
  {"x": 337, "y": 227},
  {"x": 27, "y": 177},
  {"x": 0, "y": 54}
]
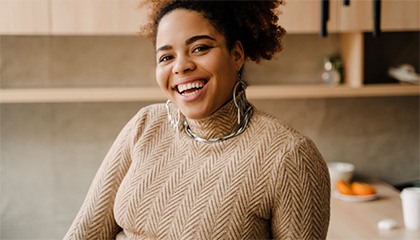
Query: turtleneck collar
[{"x": 219, "y": 124}]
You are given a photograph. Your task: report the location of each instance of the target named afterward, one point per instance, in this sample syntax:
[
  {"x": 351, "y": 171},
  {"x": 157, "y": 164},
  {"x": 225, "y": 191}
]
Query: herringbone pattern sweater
[{"x": 269, "y": 182}]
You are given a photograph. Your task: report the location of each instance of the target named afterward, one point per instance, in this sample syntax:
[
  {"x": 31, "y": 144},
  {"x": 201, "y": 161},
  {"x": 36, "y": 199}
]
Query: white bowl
[{"x": 340, "y": 171}]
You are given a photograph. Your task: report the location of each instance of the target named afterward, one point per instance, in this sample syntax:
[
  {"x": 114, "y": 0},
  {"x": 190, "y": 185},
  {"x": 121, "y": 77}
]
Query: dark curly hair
[{"x": 253, "y": 23}]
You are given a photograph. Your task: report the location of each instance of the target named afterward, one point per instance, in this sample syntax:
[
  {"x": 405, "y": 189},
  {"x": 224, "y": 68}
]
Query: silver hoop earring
[
  {"x": 173, "y": 121},
  {"x": 239, "y": 98}
]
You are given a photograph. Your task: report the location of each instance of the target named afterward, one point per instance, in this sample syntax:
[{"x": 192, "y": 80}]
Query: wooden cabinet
[
  {"x": 401, "y": 15},
  {"x": 304, "y": 16},
  {"x": 65, "y": 17},
  {"x": 102, "y": 17},
  {"x": 96, "y": 17},
  {"x": 396, "y": 15},
  {"x": 24, "y": 17}
]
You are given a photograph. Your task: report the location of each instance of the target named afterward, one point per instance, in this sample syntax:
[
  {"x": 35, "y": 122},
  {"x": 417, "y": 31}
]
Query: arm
[
  {"x": 302, "y": 199},
  {"x": 95, "y": 219}
]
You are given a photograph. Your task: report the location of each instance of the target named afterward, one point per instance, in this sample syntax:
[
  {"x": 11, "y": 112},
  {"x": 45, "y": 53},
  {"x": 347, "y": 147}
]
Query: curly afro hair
[{"x": 253, "y": 23}]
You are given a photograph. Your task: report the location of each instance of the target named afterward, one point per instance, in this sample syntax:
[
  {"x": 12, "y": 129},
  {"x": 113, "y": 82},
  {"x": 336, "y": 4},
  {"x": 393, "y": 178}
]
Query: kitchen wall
[{"x": 51, "y": 151}]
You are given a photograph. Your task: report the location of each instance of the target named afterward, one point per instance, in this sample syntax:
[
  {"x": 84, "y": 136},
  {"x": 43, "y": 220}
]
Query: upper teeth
[{"x": 187, "y": 86}]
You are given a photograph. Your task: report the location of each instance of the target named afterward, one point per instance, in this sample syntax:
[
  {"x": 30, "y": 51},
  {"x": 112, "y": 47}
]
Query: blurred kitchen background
[{"x": 51, "y": 148}]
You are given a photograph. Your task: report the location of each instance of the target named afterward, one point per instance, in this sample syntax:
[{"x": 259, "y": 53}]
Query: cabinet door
[
  {"x": 396, "y": 15},
  {"x": 401, "y": 15},
  {"x": 358, "y": 16},
  {"x": 304, "y": 16},
  {"x": 24, "y": 17},
  {"x": 96, "y": 17}
]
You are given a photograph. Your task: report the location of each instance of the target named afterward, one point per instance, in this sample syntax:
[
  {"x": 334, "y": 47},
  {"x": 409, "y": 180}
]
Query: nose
[{"x": 183, "y": 64}]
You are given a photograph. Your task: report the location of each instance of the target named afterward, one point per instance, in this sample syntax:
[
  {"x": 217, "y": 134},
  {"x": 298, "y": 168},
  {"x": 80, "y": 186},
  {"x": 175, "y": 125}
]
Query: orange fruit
[
  {"x": 361, "y": 188},
  {"x": 344, "y": 187}
]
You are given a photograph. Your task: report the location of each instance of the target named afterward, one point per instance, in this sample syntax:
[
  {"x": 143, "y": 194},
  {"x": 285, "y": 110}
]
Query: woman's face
[{"x": 194, "y": 66}]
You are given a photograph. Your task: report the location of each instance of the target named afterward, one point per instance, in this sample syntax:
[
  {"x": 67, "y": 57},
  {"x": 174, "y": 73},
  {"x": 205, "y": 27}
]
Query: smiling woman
[
  {"x": 193, "y": 53},
  {"x": 207, "y": 165}
]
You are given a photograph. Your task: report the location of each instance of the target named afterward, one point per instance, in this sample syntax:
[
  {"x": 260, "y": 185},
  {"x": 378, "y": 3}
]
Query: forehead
[{"x": 181, "y": 24}]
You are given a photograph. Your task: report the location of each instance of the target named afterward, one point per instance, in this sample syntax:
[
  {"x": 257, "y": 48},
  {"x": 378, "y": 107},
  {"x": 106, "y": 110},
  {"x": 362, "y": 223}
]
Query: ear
[{"x": 238, "y": 55}]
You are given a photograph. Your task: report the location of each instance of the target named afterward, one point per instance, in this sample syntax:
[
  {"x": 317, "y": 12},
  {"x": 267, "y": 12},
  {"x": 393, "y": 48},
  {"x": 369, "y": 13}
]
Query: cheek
[
  {"x": 221, "y": 65},
  {"x": 161, "y": 77},
  {"x": 226, "y": 70}
]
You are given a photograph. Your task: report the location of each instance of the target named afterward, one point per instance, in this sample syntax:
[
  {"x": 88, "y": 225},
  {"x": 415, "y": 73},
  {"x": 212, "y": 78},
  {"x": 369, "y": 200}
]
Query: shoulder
[
  {"x": 272, "y": 125},
  {"x": 282, "y": 137},
  {"x": 147, "y": 117},
  {"x": 150, "y": 113},
  {"x": 156, "y": 109},
  {"x": 292, "y": 150}
]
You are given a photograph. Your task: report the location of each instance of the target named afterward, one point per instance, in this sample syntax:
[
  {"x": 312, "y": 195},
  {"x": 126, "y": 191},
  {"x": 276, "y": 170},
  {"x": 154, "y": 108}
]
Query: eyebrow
[{"x": 187, "y": 42}]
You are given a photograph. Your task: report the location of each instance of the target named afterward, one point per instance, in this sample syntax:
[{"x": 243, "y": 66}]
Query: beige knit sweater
[{"x": 269, "y": 182}]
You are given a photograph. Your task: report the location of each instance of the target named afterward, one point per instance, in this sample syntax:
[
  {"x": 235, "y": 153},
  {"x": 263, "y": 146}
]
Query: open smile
[{"x": 188, "y": 89}]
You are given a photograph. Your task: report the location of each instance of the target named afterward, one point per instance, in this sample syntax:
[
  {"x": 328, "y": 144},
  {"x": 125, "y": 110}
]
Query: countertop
[{"x": 359, "y": 220}]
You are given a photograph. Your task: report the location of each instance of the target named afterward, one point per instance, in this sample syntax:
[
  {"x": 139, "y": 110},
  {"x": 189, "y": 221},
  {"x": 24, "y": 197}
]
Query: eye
[
  {"x": 201, "y": 48},
  {"x": 165, "y": 58}
]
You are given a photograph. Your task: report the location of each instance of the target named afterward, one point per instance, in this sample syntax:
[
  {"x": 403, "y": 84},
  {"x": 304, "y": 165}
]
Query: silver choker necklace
[
  {"x": 245, "y": 112},
  {"x": 238, "y": 129}
]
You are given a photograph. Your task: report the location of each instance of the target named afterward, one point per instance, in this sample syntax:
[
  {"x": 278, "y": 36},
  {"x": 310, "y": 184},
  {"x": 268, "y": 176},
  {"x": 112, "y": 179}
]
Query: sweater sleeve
[
  {"x": 302, "y": 199},
  {"x": 95, "y": 219}
]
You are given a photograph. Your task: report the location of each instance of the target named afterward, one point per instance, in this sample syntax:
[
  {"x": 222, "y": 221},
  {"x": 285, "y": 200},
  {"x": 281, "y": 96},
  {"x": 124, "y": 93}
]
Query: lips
[{"x": 187, "y": 89}]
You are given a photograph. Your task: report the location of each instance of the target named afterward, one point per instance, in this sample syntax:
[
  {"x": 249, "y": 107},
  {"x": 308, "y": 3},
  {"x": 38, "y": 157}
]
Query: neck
[{"x": 221, "y": 125}]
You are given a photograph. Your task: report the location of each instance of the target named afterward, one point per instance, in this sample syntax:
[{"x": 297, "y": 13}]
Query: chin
[
  {"x": 199, "y": 114},
  {"x": 194, "y": 115}
]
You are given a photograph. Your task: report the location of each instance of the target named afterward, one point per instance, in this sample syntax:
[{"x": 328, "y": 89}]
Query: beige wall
[{"x": 50, "y": 152}]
